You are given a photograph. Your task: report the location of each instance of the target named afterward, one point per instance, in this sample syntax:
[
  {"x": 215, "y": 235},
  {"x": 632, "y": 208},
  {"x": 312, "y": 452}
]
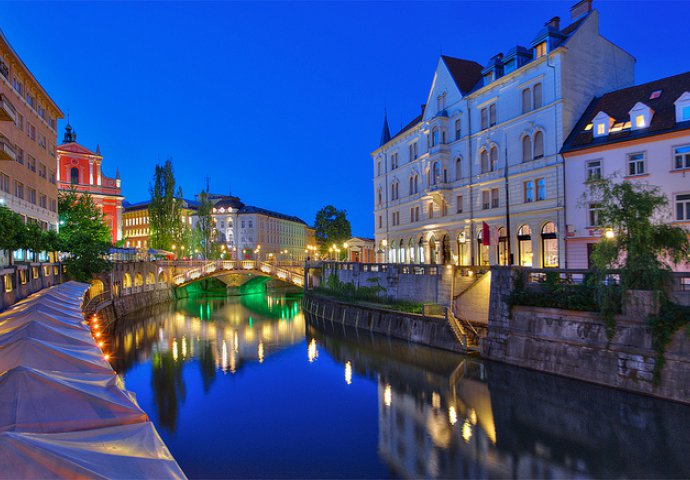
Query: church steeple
[
  {"x": 385, "y": 133},
  {"x": 70, "y": 135}
]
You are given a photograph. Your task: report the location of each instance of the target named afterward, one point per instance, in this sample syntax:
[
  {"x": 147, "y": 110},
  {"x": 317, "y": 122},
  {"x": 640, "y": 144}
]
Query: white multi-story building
[
  {"x": 640, "y": 134},
  {"x": 477, "y": 178}
]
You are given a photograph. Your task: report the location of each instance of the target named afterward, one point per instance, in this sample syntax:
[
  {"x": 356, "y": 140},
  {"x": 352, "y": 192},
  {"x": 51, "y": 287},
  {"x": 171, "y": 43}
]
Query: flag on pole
[{"x": 486, "y": 234}]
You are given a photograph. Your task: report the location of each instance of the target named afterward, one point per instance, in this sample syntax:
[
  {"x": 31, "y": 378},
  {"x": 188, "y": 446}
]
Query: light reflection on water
[{"x": 243, "y": 388}]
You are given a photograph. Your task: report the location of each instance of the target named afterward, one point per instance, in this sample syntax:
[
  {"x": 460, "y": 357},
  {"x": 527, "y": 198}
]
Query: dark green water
[{"x": 244, "y": 388}]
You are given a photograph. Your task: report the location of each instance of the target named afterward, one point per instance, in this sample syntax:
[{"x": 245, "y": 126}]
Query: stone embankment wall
[
  {"x": 327, "y": 315},
  {"x": 574, "y": 344},
  {"x": 21, "y": 280}
]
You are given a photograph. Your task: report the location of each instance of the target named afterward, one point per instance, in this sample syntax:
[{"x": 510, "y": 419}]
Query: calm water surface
[{"x": 243, "y": 388}]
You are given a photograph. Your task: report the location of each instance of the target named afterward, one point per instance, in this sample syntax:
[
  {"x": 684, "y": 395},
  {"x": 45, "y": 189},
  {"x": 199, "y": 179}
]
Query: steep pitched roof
[
  {"x": 466, "y": 73},
  {"x": 385, "y": 132},
  {"x": 618, "y": 104}
]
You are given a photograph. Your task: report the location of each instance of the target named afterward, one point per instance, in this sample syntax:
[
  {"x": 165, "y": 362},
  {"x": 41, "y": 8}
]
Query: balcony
[
  {"x": 439, "y": 187},
  {"x": 7, "y": 113},
  {"x": 6, "y": 150},
  {"x": 440, "y": 148}
]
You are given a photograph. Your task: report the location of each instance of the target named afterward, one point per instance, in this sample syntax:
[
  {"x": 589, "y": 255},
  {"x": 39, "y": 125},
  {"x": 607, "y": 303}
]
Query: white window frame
[
  {"x": 636, "y": 162},
  {"x": 589, "y": 168},
  {"x": 685, "y": 203},
  {"x": 685, "y": 157}
]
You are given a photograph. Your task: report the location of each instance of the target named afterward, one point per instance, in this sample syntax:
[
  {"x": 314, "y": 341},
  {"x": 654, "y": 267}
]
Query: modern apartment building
[
  {"x": 477, "y": 178},
  {"x": 82, "y": 169},
  {"x": 640, "y": 134},
  {"x": 28, "y": 134}
]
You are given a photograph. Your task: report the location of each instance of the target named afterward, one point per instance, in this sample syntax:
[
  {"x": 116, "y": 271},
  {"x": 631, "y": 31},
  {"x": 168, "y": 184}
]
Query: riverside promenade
[{"x": 63, "y": 411}]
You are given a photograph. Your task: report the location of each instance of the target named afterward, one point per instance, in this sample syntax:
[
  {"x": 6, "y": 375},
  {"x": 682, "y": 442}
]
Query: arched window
[
  {"x": 127, "y": 281},
  {"x": 493, "y": 159},
  {"x": 436, "y": 173},
  {"x": 416, "y": 183},
  {"x": 162, "y": 278},
  {"x": 549, "y": 245},
  {"x": 445, "y": 176},
  {"x": 458, "y": 129},
  {"x": 420, "y": 249},
  {"x": 380, "y": 199},
  {"x": 411, "y": 185},
  {"x": 484, "y": 157},
  {"x": 401, "y": 252},
  {"x": 526, "y": 148},
  {"x": 483, "y": 257},
  {"x": 150, "y": 278},
  {"x": 526, "y": 100},
  {"x": 525, "y": 246},
  {"x": 433, "y": 254},
  {"x": 410, "y": 250},
  {"x": 74, "y": 176},
  {"x": 392, "y": 191},
  {"x": 458, "y": 168},
  {"x": 538, "y": 144},
  {"x": 462, "y": 248},
  {"x": 537, "y": 96},
  {"x": 138, "y": 280},
  {"x": 434, "y": 137},
  {"x": 446, "y": 257},
  {"x": 503, "y": 253},
  {"x": 392, "y": 254}
]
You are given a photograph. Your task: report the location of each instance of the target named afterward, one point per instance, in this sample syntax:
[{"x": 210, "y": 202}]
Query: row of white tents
[{"x": 63, "y": 411}]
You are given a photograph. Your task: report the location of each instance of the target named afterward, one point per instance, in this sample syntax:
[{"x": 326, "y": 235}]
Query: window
[
  {"x": 4, "y": 183},
  {"x": 636, "y": 164},
  {"x": 20, "y": 154},
  {"x": 525, "y": 246},
  {"x": 394, "y": 161},
  {"x": 601, "y": 129},
  {"x": 493, "y": 159},
  {"x": 682, "y": 157},
  {"x": 526, "y": 100},
  {"x": 416, "y": 214},
  {"x": 378, "y": 168},
  {"x": 444, "y": 208},
  {"x": 412, "y": 215},
  {"x": 17, "y": 85},
  {"x": 529, "y": 191},
  {"x": 526, "y": 148},
  {"x": 683, "y": 207},
  {"x": 639, "y": 121},
  {"x": 31, "y": 131},
  {"x": 593, "y": 170},
  {"x": 20, "y": 121},
  {"x": 549, "y": 245},
  {"x": 434, "y": 137},
  {"x": 458, "y": 204},
  {"x": 502, "y": 247},
  {"x": 435, "y": 173},
  {"x": 540, "y": 50},
  {"x": 31, "y": 163},
  {"x": 538, "y": 144},
  {"x": 431, "y": 210},
  {"x": 42, "y": 170},
  {"x": 395, "y": 218},
  {"x": 541, "y": 189},
  {"x": 484, "y": 157},
  {"x": 74, "y": 176},
  {"x": 486, "y": 202},
  {"x": 31, "y": 100},
  {"x": 416, "y": 183},
  {"x": 441, "y": 102},
  {"x": 493, "y": 117},
  {"x": 32, "y": 196},
  {"x": 53, "y": 205},
  {"x": 380, "y": 222},
  {"x": 494, "y": 198},
  {"x": 18, "y": 189},
  {"x": 413, "y": 151},
  {"x": 685, "y": 113},
  {"x": 594, "y": 214},
  {"x": 458, "y": 129},
  {"x": 43, "y": 201},
  {"x": 458, "y": 168},
  {"x": 537, "y": 96},
  {"x": 484, "y": 118}
]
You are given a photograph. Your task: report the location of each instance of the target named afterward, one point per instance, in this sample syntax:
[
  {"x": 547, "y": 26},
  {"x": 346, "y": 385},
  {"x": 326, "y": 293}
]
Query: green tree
[
  {"x": 641, "y": 244},
  {"x": 12, "y": 232},
  {"x": 83, "y": 235},
  {"x": 332, "y": 227},
  {"x": 205, "y": 226},
  {"x": 165, "y": 220}
]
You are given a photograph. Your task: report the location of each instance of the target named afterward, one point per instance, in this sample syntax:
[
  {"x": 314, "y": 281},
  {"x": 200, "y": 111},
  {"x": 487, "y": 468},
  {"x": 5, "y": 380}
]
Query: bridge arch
[
  {"x": 127, "y": 281},
  {"x": 96, "y": 288},
  {"x": 150, "y": 278},
  {"x": 138, "y": 280},
  {"x": 162, "y": 277}
]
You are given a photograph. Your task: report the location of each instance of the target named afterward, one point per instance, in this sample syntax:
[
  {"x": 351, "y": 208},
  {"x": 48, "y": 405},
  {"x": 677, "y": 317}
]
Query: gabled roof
[
  {"x": 465, "y": 73},
  {"x": 618, "y": 104},
  {"x": 76, "y": 148}
]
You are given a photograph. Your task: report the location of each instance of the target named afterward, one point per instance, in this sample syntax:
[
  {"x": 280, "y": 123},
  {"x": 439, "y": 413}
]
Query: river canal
[{"x": 243, "y": 388}]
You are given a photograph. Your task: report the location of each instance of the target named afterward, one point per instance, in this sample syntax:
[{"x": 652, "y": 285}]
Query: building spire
[
  {"x": 385, "y": 133},
  {"x": 70, "y": 135}
]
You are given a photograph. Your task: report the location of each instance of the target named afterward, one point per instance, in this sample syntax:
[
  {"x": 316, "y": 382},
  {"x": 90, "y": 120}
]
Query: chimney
[
  {"x": 555, "y": 22},
  {"x": 581, "y": 8}
]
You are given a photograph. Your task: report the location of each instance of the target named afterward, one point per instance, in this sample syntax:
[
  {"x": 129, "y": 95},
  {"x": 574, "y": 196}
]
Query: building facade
[
  {"x": 266, "y": 235},
  {"x": 28, "y": 135},
  {"x": 136, "y": 228},
  {"x": 477, "y": 178},
  {"x": 361, "y": 250},
  {"x": 640, "y": 134},
  {"x": 81, "y": 169}
]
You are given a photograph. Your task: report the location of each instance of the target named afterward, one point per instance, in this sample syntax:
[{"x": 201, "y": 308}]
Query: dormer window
[
  {"x": 683, "y": 108},
  {"x": 540, "y": 50},
  {"x": 602, "y": 124},
  {"x": 640, "y": 116}
]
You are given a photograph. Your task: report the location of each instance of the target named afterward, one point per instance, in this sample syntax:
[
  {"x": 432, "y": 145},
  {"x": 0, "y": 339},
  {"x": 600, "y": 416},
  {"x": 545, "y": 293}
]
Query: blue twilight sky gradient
[{"x": 281, "y": 102}]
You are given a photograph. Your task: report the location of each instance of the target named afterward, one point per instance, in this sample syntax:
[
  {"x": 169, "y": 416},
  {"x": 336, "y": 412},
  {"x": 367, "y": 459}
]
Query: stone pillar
[{"x": 90, "y": 171}]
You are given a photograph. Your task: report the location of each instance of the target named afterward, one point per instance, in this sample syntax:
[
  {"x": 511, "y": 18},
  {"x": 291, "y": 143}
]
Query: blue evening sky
[{"x": 281, "y": 103}]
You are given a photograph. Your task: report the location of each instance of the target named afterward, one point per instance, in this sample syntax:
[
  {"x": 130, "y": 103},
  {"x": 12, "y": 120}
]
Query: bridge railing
[{"x": 212, "y": 266}]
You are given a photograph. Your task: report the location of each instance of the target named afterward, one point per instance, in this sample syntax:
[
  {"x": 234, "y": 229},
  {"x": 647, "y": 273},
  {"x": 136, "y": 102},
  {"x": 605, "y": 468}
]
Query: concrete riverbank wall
[
  {"x": 328, "y": 314},
  {"x": 574, "y": 344},
  {"x": 21, "y": 280}
]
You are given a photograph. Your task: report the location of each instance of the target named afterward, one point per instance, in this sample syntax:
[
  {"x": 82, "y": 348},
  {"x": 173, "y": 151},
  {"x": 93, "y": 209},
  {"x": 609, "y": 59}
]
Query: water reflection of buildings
[
  {"x": 217, "y": 334},
  {"x": 444, "y": 416}
]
